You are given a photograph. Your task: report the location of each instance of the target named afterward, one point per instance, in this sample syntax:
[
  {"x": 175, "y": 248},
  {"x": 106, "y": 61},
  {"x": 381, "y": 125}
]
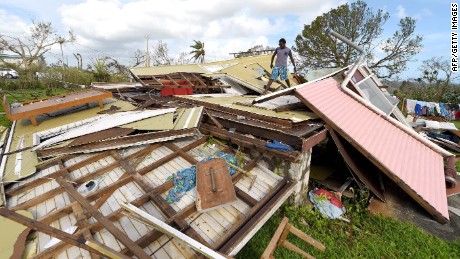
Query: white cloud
[
  {"x": 423, "y": 13},
  {"x": 401, "y": 12},
  {"x": 118, "y": 27},
  {"x": 11, "y": 25}
]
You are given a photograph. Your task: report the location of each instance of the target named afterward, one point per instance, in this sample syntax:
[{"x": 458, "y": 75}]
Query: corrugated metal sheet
[
  {"x": 246, "y": 70},
  {"x": 415, "y": 167}
]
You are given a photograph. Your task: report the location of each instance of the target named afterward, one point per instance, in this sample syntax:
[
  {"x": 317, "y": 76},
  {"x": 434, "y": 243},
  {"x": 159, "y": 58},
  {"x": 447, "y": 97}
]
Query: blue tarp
[{"x": 185, "y": 179}]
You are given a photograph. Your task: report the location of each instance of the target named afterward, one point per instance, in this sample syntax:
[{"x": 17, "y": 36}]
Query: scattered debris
[
  {"x": 327, "y": 203},
  {"x": 215, "y": 162}
]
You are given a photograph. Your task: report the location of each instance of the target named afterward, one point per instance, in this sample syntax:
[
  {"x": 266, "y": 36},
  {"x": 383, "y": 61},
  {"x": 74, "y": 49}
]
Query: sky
[{"x": 117, "y": 28}]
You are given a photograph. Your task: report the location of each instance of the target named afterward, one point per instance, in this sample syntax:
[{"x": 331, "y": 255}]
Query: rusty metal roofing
[{"x": 416, "y": 168}]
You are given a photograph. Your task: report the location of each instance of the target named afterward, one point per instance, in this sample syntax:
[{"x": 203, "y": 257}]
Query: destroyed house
[{"x": 119, "y": 181}]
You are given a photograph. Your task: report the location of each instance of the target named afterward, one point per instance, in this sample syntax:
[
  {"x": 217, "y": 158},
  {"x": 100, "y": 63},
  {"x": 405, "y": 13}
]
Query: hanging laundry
[
  {"x": 418, "y": 109},
  {"x": 410, "y": 105},
  {"x": 444, "y": 111}
]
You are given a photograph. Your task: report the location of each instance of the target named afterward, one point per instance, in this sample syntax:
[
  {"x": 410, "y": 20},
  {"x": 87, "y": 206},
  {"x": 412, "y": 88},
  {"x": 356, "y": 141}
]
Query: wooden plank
[
  {"x": 126, "y": 141},
  {"x": 214, "y": 186},
  {"x": 182, "y": 153},
  {"x": 81, "y": 180},
  {"x": 302, "y": 235},
  {"x": 245, "y": 141},
  {"x": 275, "y": 238},
  {"x": 154, "y": 234},
  {"x": 105, "y": 250},
  {"x": 314, "y": 140},
  {"x": 163, "y": 227},
  {"x": 37, "y": 200},
  {"x": 138, "y": 251},
  {"x": 213, "y": 119},
  {"x": 245, "y": 197},
  {"x": 55, "y": 174},
  {"x": 288, "y": 245},
  {"x": 256, "y": 221},
  {"x": 101, "y": 135},
  {"x": 39, "y": 107},
  {"x": 56, "y": 233}
]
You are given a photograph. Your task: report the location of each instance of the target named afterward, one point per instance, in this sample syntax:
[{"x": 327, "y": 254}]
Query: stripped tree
[
  {"x": 364, "y": 26},
  {"x": 33, "y": 44}
]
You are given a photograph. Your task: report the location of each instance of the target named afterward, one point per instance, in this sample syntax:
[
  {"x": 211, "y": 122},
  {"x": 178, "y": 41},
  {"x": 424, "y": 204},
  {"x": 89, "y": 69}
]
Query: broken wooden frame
[
  {"x": 237, "y": 234},
  {"x": 117, "y": 143},
  {"x": 180, "y": 80},
  {"x": 29, "y": 110},
  {"x": 359, "y": 165},
  {"x": 294, "y": 136},
  {"x": 279, "y": 239}
]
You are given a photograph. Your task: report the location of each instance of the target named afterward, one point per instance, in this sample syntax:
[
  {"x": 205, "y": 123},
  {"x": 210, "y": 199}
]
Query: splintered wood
[{"x": 214, "y": 187}]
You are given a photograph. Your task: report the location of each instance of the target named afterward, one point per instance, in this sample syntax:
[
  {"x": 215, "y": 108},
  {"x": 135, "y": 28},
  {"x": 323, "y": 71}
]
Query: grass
[
  {"x": 372, "y": 236},
  {"x": 19, "y": 96},
  {"x": 457, "y": 124}
]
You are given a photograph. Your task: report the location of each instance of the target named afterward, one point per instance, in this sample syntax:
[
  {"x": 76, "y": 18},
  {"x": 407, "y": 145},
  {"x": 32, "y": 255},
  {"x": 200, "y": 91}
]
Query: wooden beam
[
  {"x": 170, "y": 231},
  {"x": 256, "y": 221},
  {"x": 186, "y": 79},
  {"x": 49, "y": 177},
  {"x": 237, "y": 226},
  {"x": 355, "y": 161},
  {"x": 182, "y": 153},
  {"x": 38, "y": 199},
  {"x": 107, "y": 251},
  {"x": 248, "y": 142},
  {"x": 102, "y": 193},
  {"x": 117, "y": 233},
  {"x": 245, "y": 197},
  {"x": 213, "y": 119},
  {"x": 274, "y": 241},
  {"x": 53, "y": 232},
  {"x": 156, "y": 198},
  {"x": 170, "y": 157},
  {"x": 154, "y": 234},
  {"x": 81, "y": 180},
  {"x": 314, "y": 140},
  {"x": 121, "y": 142}
]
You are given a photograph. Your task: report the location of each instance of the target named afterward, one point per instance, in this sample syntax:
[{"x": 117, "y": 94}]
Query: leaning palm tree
[{"x": 198, "y": 51}]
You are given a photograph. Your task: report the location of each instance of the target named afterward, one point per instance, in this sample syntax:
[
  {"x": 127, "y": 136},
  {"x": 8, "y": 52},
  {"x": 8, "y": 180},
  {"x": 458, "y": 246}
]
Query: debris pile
[{"x": 197, "y": 153}]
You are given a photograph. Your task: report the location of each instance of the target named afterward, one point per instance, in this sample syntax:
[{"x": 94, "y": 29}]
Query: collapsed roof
[{"x": 87, "y": 164}]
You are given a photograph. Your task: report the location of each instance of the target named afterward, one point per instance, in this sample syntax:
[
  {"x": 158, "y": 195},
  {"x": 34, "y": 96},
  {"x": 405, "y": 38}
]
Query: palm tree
[{"x": 198, "y": 52}]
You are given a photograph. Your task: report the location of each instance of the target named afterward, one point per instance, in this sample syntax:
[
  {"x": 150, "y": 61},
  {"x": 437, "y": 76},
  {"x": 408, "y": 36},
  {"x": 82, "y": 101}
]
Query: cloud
[
  {"x": 118, "y": 27},
  {"x": 11, "y": 25},
  {"x": 225, "y": 26},
  {"x": 401, "y": 12},
  {"x": 423, "y": 13}
]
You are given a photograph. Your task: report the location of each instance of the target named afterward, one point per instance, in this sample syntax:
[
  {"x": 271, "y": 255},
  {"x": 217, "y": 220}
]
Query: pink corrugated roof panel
[{"x": 415, "y": 167}]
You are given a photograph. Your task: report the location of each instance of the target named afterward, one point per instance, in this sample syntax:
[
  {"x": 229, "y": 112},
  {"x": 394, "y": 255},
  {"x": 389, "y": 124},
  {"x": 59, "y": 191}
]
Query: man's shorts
[{"x": 279, "y": 71}]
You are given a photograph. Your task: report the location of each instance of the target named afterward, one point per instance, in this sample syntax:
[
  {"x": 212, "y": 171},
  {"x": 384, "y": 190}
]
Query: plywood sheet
[{"x": 214, "y": 187}]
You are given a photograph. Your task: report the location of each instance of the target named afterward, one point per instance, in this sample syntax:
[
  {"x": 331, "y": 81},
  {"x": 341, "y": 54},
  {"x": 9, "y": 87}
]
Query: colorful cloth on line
[{"x": 185, "y": 179}]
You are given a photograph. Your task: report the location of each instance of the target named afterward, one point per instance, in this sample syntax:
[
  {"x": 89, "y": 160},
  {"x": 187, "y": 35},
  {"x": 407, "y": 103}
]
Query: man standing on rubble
[{"x": 280, "y": 69}]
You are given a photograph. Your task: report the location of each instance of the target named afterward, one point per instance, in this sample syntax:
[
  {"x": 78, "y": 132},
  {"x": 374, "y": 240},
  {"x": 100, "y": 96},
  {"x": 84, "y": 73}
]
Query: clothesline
[{"x": 422, "y": 108}]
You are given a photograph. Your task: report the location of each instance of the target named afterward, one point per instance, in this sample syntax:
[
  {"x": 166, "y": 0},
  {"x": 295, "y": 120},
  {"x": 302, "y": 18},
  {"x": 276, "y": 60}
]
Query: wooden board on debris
[{"x": 214, "y": 187}]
